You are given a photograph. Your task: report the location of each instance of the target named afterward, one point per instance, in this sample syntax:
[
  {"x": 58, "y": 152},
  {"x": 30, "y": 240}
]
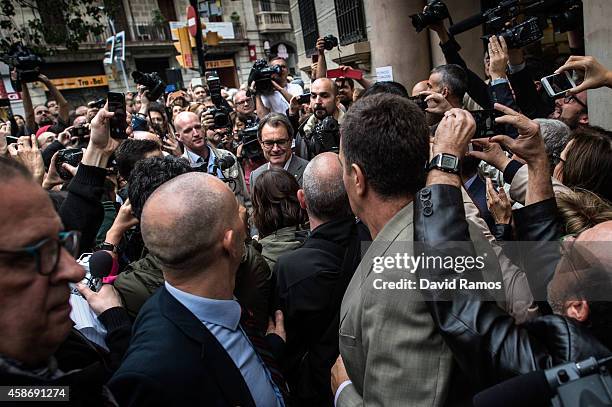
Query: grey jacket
[{"x": 296, "y": 168}]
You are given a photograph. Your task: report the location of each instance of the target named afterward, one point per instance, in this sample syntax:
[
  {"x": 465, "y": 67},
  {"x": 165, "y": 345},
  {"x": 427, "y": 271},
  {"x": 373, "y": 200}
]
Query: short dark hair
[
  {"x": 130, "y": 152},
  {"x": 49, "y": 101},
  {"x": 275, "y": 203},
  {"x": 388, "y": 138},
  {"x": 275, "y": 120},
  {"x": 149, "y": 174},
  {"x": 390, "y": 87},
  {"x": 342, "y": 81},
  {"x": 157, "y": 107},
  {"x": 454, "y": 78}
]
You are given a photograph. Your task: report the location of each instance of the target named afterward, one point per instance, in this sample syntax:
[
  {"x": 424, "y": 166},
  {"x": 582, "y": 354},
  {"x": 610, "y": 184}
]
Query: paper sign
[{"x": 384, "y": 74}]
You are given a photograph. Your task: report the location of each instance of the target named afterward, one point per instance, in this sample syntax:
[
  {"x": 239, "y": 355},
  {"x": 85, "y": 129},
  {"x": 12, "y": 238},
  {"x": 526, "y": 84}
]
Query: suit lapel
[
  {"x": 220, "y": 364},
  {"x": 295, "y": 167}
]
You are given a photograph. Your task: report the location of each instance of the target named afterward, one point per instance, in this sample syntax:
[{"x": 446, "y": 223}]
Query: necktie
[{"x": 261, "y": 347}]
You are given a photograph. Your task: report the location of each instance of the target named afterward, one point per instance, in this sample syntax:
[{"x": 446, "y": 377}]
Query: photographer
[
  {"x": 323, "y": 103},
  {"x": 278, "y": 99},
  {"x": 245, "y": 106},
  {"x": 200, "y": 154}
]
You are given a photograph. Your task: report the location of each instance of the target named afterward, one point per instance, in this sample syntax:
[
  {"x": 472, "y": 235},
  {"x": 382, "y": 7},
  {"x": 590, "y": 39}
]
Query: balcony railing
[{"x": 273, "y": 21}]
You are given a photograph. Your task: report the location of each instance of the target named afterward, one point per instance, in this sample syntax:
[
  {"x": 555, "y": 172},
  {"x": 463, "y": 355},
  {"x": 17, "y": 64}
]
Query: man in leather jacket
[{"x": 486, "y": 343}]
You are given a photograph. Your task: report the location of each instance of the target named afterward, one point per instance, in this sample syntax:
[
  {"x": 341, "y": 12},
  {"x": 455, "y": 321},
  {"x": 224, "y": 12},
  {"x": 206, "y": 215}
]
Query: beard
[{"x": 45, "y": 121}]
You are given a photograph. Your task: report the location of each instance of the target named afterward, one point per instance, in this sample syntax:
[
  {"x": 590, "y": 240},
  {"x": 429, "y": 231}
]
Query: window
[
  {"x": 310, "y": 31},
  {"x": 351, "y": 23},
  {"x": 265, "y": 5}
]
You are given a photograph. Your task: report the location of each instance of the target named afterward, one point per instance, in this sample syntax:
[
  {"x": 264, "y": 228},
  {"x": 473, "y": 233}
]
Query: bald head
[
  {"x": 146, "y": 135},
  {"x": 184, "y": 221},
  {"x": 419, "y": 87},
  {"x": 325, "y": 84},
  {"x": 184, "y": 117},
  {"x": 323, "y": 188}
]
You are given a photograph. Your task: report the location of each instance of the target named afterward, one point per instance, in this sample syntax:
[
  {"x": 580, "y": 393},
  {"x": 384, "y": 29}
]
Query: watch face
[{"x": 448, "y": 161}]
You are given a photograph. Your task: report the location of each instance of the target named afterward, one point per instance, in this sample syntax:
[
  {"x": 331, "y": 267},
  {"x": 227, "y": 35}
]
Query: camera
[
  {"x": 251, "y": 148},
  {"x": 220, "y": 112},
  {"x": 26, "y": 63},
  {"x": 436, "y": 11},
  {"x": 325, "y": 137},
  {"x": 330, "y": 42},
  {"x": 72, "y": 156},
  {"x": 485, "y": 123},
  {"x": 79, "y": 133},
  {"x": 97, "y": 104},
  {"x": 262, "y": 73},
  {"x": 522, "y": 34},
  {"x": 419, "y": 101},
  {"x": 569, "y": 18},
  {"x": 152, "y": 81}
]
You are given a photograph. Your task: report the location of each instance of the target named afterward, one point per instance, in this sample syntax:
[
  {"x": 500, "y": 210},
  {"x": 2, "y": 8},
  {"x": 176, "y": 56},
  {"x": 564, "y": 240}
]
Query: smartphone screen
[
  {"x": 118, "y": 123},
  {"x": 315, "y": 58},
  {"x": 559, "y": 83}
]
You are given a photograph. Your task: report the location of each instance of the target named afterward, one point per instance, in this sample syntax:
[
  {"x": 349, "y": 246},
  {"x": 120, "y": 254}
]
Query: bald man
[
  {"x": 419, "y": 87},
  {"x": 311, "y": 280},
  {"x": 324, "y": 102},
  {"x": 192, "y": 345},
  {"x": 201, "y": 154}
]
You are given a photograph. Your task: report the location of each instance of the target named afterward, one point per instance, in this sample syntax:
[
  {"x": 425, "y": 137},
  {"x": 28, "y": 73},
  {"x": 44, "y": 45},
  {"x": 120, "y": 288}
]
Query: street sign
[{"x": 191, "y": 21}]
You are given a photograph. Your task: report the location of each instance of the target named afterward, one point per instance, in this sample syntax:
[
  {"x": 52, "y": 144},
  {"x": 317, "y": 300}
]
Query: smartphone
[
  {"x": 305, "y": 98},
  {"x": 557, "y": 84},
  {"x": 118, "y": 123},
  {"x": 420, "y": 101},
  {"x": 11, "y": 139},
  {"x": 315, "y": 58},
  {"x": 485, "y": 123}
]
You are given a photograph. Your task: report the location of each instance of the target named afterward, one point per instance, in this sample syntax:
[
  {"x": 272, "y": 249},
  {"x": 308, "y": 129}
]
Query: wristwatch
[
  {"x": 445, "y": 162},
  {"x": 107, "y": 246}
]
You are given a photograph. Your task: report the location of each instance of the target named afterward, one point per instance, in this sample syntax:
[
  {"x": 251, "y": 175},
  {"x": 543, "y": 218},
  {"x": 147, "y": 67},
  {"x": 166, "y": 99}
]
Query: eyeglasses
[
  {"x": 557, "y": 159},
  {"x": 47, "y": 252},
  {"x": 269, "y": 144},
  {"x": 570, "y": 98}
]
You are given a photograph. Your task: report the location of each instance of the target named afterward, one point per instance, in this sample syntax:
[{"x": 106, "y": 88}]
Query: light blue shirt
[
  {"x": 470, "y": 181},
  {"x": 195, "y": 160},
  {"x": 222, "y": 318}
]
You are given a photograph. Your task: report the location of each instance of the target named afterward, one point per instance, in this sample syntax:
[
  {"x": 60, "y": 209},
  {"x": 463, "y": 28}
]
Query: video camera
[
  {"x": 26, "y": 63},
  {"x": 251, "y": 148},
  {"x": 152, "y": 81},
  {"x": 325, "y": 137},
  {"x": 220, "y": 112},
  {"x": 565, "y": 15},
  {"x": 262, "y": 73},
  {"x": 436, "y": 11}
]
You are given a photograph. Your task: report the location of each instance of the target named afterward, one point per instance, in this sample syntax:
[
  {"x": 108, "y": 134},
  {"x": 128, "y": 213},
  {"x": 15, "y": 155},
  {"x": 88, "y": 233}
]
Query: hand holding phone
[
  {"x": 557, "y": 84},
  {"x": 304, "y": 99},
  {"x": 118, "y": 123}
]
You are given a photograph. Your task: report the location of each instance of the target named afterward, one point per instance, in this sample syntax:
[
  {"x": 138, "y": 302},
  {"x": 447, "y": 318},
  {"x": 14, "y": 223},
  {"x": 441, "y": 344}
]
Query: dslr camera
[
  {"x": 72, "y": 156},
  {"x": 436, "y": 11},
  {"x": 330, "y": 42},
  {"x": 251, "y": 148},
  {"x": 325, "y": 137},
  {"x": 220, "y": 112},
  {"x": 152, "y": 81},
  {"x": 262, "y": 73},
  {"x": 26, "y": 63}
]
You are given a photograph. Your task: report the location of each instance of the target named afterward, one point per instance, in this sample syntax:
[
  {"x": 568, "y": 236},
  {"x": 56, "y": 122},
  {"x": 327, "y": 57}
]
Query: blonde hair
[{"x": 582, "y": 210}]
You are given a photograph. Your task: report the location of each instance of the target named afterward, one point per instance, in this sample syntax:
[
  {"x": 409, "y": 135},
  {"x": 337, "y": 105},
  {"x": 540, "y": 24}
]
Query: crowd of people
[{"x": 241, "y": 257}]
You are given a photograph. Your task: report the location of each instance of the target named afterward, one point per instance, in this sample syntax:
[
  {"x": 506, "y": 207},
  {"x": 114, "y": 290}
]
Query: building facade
[{"x": 250, "y": 29}]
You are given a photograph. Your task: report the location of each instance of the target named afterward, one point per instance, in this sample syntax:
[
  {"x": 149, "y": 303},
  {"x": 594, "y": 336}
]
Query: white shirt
[{"x": 276, "y": 102}]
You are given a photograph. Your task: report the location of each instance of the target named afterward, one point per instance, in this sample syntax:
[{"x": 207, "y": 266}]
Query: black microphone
[
  {"x": 467, "y": 24},
  {"x": 225, "y": 162},
  {"x": 100, "y": 264},
  {"x": 526, "y": 390}
]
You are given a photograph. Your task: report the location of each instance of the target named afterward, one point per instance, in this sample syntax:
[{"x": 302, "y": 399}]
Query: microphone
[
  {"x": 100, "y": 264},
  {"x": 467, "y": 24},
  {"x": 225, "y": 162},
  {"x": 527, "y": 390}
]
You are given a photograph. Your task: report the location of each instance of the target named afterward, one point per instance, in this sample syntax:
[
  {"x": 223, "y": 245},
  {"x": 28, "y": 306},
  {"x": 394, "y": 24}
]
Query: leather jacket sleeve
[{"x": 484, "y": 339}]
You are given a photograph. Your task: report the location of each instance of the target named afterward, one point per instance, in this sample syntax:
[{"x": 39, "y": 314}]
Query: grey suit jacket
[
  {"x": 296, "y": 168},
  {"x": 388, "y": 341}
]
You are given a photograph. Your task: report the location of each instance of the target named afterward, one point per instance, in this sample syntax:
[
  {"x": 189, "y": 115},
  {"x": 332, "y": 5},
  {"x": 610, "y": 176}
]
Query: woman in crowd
[{"x": 277, "y": 214}]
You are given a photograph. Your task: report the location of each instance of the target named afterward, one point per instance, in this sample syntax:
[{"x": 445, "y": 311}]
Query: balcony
[
  {"x": 273, "y": 22},
  {"x": 135, "y": 34}
]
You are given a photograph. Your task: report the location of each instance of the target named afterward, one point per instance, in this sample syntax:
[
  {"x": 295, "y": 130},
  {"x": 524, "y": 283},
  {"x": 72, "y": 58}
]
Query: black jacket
[
  {"x": 174, "y": 360},
  {"x": 311, "y": 282},
  {"x": 486, "y": 343}
]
